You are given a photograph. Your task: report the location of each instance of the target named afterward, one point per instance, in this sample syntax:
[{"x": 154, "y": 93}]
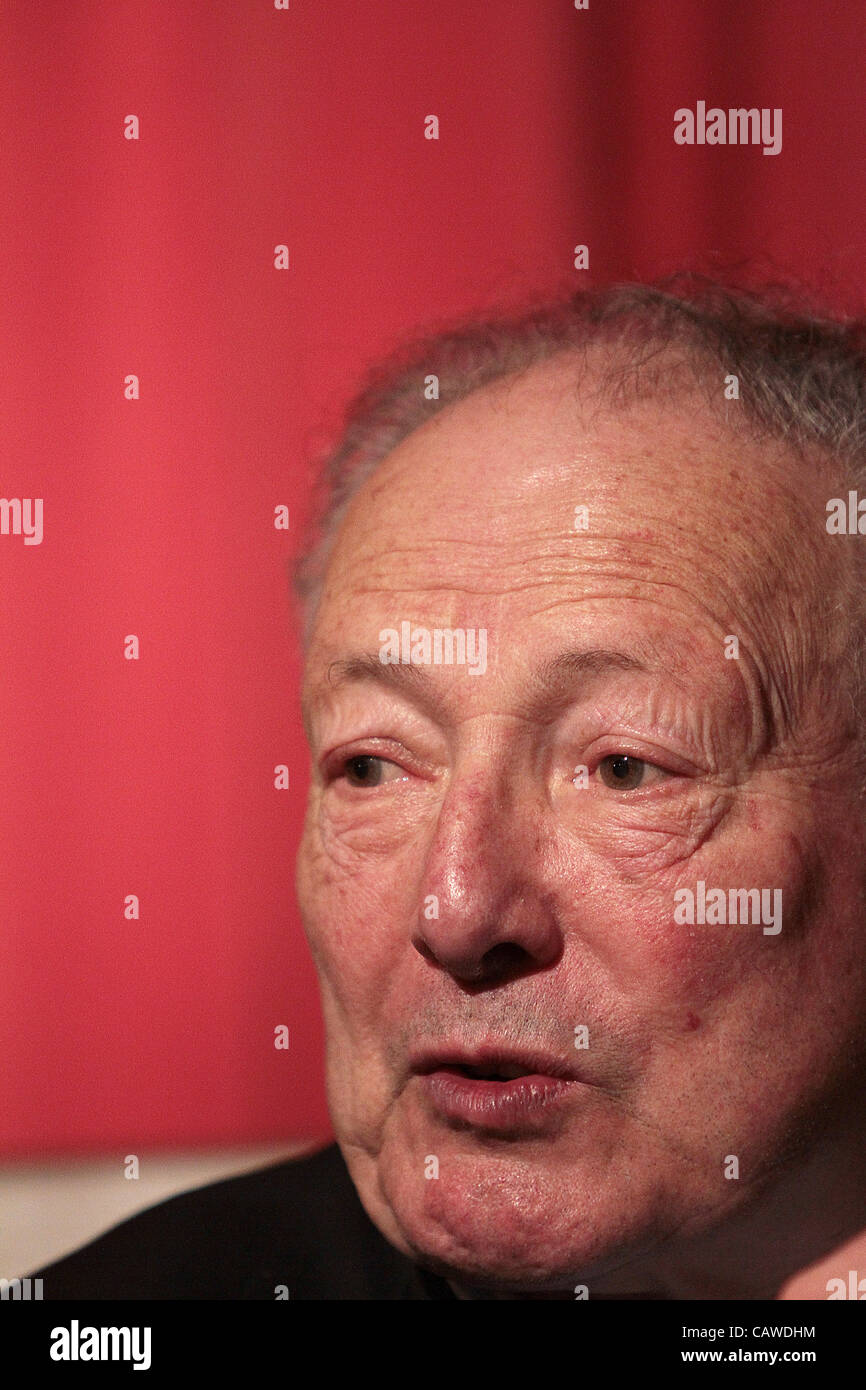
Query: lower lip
[{"x": 498, "y": 1106}]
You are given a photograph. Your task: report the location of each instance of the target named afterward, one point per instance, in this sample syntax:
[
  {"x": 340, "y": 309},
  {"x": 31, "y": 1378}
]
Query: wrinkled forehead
[{"x": 536, "y": 475}]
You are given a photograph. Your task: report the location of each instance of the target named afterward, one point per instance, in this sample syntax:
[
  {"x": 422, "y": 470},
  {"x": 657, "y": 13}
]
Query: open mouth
[
  {"x": 496, "y": 1094},
  {"x": 505, "y": 1072},
  {"x": 491, "y": 1064}
]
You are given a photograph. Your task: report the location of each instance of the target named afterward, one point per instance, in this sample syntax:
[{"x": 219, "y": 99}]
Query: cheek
[
  {"x": 352, "y": 914},
  {"x": 675, "y": 971},
  {"x": 735, "y": 978}
]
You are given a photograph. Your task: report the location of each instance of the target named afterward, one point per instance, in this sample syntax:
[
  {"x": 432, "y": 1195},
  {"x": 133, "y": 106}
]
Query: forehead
[{"x": 535, "y": 475}]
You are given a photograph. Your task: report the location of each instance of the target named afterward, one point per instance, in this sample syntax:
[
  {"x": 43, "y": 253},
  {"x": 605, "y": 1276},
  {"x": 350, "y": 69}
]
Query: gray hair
[{"x": 801, "y": 378}]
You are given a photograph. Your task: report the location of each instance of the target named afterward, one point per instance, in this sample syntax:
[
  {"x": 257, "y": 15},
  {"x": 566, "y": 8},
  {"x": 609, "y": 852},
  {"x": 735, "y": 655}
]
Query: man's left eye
[{"x": 625, "y": 773}]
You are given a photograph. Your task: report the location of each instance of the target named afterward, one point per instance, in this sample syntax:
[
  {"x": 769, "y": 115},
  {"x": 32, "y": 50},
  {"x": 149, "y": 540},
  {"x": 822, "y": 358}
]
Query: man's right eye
[{"x": 366, "y": 770}]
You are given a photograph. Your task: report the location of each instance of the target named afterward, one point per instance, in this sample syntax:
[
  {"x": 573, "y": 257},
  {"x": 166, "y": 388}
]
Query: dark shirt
[{"x": 299, "y": 1224}]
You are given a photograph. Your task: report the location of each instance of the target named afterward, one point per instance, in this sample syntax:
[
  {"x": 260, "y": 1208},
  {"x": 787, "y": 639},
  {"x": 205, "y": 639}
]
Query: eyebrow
[{"x": 551, "y": 684}]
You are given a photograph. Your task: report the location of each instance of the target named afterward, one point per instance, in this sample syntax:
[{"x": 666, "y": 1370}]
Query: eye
[
  {"x": 625, "y": 773},
  {"x": 366, "y": 770}
]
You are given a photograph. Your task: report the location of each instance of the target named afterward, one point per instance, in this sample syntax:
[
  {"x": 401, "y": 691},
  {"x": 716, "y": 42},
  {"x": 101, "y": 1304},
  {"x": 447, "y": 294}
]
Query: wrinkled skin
[{"x": 555, "y": 900}]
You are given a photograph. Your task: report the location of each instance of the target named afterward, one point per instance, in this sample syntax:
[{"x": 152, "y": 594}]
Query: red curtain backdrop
[{"x": 154, "y": 257}]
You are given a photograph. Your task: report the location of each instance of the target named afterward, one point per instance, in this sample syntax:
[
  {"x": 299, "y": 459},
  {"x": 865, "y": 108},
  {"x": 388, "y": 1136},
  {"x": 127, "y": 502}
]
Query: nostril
[
  {"x": 477, "y": 970},
  {"x": 503, "y": 960}
]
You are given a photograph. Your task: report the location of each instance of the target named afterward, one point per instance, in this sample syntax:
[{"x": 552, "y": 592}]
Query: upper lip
[{"x": 490, "y": 1057}]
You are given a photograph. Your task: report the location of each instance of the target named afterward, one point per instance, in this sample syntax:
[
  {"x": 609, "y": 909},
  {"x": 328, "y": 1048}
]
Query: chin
[{"x": 497, "y": 1221}]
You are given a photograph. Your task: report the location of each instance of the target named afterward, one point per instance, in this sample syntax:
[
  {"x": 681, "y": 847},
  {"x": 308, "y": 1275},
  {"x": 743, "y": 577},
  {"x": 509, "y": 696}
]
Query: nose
[{"x": 486, "y": 914}]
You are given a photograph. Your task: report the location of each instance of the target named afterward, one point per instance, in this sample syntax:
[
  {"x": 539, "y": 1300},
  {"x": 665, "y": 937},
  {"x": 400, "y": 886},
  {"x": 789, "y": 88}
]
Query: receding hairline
[
  {"x": 643, "y": 331},
  {"x": 801, "y": 376},
  {"x": 591, "y": 377}
]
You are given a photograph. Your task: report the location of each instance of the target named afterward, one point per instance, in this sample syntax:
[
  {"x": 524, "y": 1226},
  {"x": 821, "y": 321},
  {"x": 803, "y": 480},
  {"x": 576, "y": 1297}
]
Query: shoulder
[{"x": 296, "y": 1229}]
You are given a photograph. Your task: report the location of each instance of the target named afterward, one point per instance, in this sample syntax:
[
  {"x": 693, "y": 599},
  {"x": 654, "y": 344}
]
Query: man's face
[{"x": 476, "y": 901}]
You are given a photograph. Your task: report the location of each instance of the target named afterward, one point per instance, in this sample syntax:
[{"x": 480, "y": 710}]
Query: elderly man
[{"x": 583, "y": 864}]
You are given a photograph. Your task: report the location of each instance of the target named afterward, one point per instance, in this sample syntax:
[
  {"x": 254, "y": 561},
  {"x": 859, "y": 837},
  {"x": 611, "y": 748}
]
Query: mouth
[
  {"x": 509, "y": 1071},
  {"x": 491, "y": 1063},
  {"x": 500, "y": 1092}
]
